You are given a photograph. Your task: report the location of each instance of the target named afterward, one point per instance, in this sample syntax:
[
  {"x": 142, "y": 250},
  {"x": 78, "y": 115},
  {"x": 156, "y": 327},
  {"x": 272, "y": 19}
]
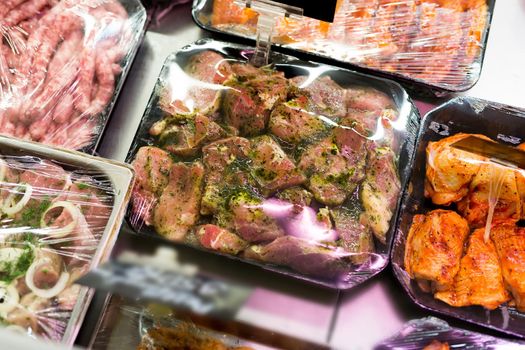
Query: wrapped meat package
[
  {"x": 433, "y": 44},
  {"x": 460, "y": 243},
  {"x": 62, "y": 64},
  {"x": 295, "y": 166},
  {"x": 431, "y": 333},
  {"x": 60, "y": 213}
]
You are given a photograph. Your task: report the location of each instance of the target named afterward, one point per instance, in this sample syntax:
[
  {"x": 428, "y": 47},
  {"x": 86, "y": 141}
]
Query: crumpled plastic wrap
[
  {"x": 57, "y": 219},
  {"x": 433, "y": 43},
  {"x": 62, "y": 64},
  {"x": 418, "y": 334},
  {"x": 297, "y": 165},
  {"x": 467, "y": 207}
]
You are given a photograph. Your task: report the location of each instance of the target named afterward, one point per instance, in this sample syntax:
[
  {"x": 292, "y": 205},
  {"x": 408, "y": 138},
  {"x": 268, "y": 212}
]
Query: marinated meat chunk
[
  {"x": 46, "y": 176},
  {"x": 209, "y": 66},
  {"x": 227, "y": 166},
  {"x": 326, "y": 97},
  {"x": 246, "y": 213},
  {"x": 305, "y": 256},
  {"x": 186, "y": 137},
  {"x": 220, "y": 239},
  {"x": 368, "y": 99},
  {"x": 251, "y": 97},
  {"x": 479, "y": 280},
  {"x": 152, "y": 168},
  {"x": 179, "y": 204},
  {"x": 271, "y": 167},
  {"x": 296, "y": 195},
  {"x": 355, "y": 236},
  {"x": 434, "y": 247},
  {"x": 335, "y": 165},
  {"x": 380, "y": 190},
  {"x": 293, "y": 123}
]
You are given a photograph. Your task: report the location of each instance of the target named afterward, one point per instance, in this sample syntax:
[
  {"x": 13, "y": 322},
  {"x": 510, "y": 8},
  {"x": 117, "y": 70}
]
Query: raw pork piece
[
  {"x": 252, "y": 95},
  {"x": 271, "y": 167},
  {"x": 178, "y": 207},
  {"x": 220, "y": 239},
  {"x": 304, "y": 256},
  {"x": 355, "y": 237},
  {"x": 380, "y": 190},
  {"x": 186, "y": 136},
  {"x": 152, "y": 168},
  {"x": 368, "y": 99},
  {"x": 325, "y": 96},
  {"x": 227, "y": 167},
  {"x": 296, "y": 195},
  {"x": 292, "y": 122},
  {"x": 46, "y": 177},
  {"x": 335, "y": 165}
]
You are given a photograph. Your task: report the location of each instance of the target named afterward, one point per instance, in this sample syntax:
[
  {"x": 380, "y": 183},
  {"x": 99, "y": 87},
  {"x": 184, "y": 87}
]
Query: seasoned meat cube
[
  {"x": 95, "y": 206},
  {"x": 375, "y": 124},
  {"x": 186, "y": 137},
  {"x": 227, "y": 165},
  {"x": 336, "y": 165},
  {"x": 479, "y": 280},
  {"x": 510, "y": 246},
  {"x": 209, "y": 66},
  {"x": 296, "y": 195},
  {"x": 272, "y": 168},
  {"x": 304, "y": 256},
  {"x": 380, "y": 190},
  {"x": 220, "y": 239},
  {"x": 293, "y": 123},
  {"x": 179, "y": 204},
  {"x": 45, "y": 176},
  {"x": 249, "y": 218},
  {"x": 250, "y": 99},
  {"x": 326, "y": 97},
  {"x": 355, "y": 237},
  {"x": 368, "y": 99},
  {"x": 434, "y": 247},
  {"x": 152, "y": 168}
]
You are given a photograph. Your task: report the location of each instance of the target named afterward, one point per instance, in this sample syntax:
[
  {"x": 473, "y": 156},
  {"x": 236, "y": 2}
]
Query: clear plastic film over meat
[
  {"x": 436, "y": 44},
  {"x": 296, "y": 166},
  {"x": 62, "y": 64},
  {"x": 57, "y": 219},
  {"x": 460, "y": 244},
  {"x": 431, "y": 333}
]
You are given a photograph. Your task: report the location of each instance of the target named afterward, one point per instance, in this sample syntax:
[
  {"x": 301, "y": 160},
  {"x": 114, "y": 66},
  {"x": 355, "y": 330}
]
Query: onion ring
[
  {"x": 3, "y": 169},
  {"x": 9, "y": 297},
  {"x": 45, "y": 293},
  {"x": 11, "y": 209},
  {"x": 66, "y": 230}
]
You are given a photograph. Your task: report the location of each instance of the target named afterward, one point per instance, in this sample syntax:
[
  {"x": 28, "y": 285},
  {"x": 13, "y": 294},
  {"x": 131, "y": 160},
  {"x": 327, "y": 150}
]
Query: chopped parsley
[{"x": 12, "y": 269}]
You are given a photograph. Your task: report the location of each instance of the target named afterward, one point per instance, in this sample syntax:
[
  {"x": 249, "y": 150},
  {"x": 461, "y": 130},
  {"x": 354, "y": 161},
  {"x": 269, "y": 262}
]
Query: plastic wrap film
[
  {"x": 59, "y": 215},
  {"x": 436, "y": 43},
  {"x": 158, "y": 9},
  {"x": 434, "y": 334},
  {"x": 62, "y": 64},
  {"x": 459, "y": 248},
  {"x": 278, "y": 165}
]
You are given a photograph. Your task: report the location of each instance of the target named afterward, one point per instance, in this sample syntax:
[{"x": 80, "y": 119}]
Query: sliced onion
[
  {"x": 10, "y": 297},
  {"x": 68, "y": 183},
  {"x": 45, "y": 293},
  {"x": 3, "y": 169},
  {"x": 73, "y": 210},
  {"x": 11, "y": 209}
]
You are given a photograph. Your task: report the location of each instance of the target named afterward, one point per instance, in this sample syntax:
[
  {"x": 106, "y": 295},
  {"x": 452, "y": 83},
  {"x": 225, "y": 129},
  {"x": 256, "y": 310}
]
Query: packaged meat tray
[
  {"x": 431, "y": 333},
  {"x": 141, "y": 326},
  {"x": 62, "y": 65},
  {"x": 434, "y": 45},
  {"x": 297, "y": 167},
  {"x": 459, "y": 248},
  {"x": 60, "y": 215}
]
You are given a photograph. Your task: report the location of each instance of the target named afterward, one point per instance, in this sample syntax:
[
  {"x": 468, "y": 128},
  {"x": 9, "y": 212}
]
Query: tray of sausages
[
  {"x": 276, "y": 165},
  {"x": 460, "y": 244},
  {"x": 62, "y": 65},
  {"x": 60, "y": 213}
]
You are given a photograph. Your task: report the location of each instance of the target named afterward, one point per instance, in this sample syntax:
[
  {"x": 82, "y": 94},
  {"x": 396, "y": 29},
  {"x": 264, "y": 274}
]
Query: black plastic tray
[
  {"x": 292, "y": 67},
  {"x": 467, "y": 115},
  {"x": 203, "y": 7}
]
